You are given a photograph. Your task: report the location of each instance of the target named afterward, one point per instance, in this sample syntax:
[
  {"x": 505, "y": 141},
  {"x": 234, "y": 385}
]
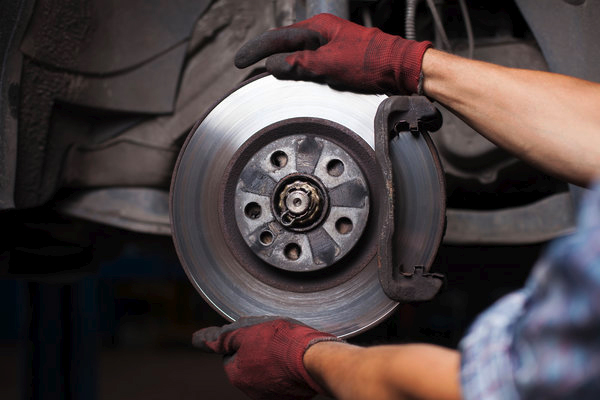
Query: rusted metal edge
[{"x": 402, "y": 115}]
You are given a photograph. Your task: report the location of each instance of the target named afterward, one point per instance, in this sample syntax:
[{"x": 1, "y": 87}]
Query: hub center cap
[{"x": 300, "y": 202}]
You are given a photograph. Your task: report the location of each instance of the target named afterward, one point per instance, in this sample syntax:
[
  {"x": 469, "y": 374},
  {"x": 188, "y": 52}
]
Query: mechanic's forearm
[
  {"x": 549, "y": 120},
  {"x": 385, "y": 372}
]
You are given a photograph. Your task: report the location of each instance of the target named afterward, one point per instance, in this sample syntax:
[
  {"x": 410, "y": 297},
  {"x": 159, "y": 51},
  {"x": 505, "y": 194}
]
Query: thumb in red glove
[
  {"x": 263, "y": 356},
  {"x": 342, "y": 54}
]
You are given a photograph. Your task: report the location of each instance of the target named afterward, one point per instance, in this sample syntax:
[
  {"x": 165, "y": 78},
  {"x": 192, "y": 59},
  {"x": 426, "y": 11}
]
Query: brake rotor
[{"x": 275, "y": 205}]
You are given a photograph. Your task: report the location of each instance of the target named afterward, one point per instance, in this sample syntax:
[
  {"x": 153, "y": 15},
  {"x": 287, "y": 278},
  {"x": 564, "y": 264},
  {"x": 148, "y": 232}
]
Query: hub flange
[{"x": 301, "y": 203}]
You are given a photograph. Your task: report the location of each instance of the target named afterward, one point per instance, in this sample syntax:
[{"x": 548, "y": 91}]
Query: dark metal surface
[
  {"x": 335, "y": 7},
  {"x": 123, "y": 91},
  {"x": 351, "y": 306},
  {"x": 144, "y": 210},
  {"x": 13, "y": 23},
  {"x": 567, "y": 35},
  {"x": 415, "y": 201},
  {"x": 538, "y": 222}
]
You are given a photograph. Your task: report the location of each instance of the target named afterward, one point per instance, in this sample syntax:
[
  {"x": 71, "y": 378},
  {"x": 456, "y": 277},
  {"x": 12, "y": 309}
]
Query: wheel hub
[
  {"x": 300, "y": 203},
  {"x": 293, "y": 206}
]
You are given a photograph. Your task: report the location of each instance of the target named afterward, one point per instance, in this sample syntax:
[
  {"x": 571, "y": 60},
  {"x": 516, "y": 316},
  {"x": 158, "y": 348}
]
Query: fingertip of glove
[
  {"x": 198, "y": 340},
  {"x": 202, "y": 336},
  {"x": 200, "y": 345},
  {"x": 243, "y": 58},
  {"x": 258, "y": 48},
  {"x": 253, "y": 50}
]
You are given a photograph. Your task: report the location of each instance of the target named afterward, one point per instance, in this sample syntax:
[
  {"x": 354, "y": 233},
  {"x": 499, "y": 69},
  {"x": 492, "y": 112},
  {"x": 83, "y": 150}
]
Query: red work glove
[
  {"x": 342, "y": 54},
  {"x": 263, "y": 356}
]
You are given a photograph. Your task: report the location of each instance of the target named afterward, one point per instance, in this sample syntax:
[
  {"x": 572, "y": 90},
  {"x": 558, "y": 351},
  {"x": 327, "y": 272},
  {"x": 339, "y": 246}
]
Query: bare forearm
[
  {"x": 385, "y": 372},
  {"x": 549, "y": 120}
]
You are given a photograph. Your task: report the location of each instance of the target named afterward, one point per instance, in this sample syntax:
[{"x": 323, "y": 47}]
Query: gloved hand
[
  {"x": 263, "y": 356},
  {"x": 344, "y": 55}
]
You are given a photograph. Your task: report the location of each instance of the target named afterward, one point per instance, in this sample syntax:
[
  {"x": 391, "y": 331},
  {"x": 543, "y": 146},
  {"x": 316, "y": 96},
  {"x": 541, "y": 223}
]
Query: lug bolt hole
[
  {"x": 252, "y": 210},
  {"x": 335, "y": 167},
  {"x": 344, "y": 225},
  {"x": 279, "y": 159},
  {"x": 266, "y": 238},
  {"x": 292, "y": 251}
]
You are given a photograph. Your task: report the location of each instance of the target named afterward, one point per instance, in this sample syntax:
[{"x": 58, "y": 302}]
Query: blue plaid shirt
[{"x": 543, "y": 341}]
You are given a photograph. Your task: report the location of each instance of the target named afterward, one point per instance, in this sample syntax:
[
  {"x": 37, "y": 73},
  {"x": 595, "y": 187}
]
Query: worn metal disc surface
[{"x": 354, "y": 305}]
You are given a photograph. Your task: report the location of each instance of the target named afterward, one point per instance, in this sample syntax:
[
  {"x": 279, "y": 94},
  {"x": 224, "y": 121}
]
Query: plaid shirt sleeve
[{"x": 543, "y": 342}]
